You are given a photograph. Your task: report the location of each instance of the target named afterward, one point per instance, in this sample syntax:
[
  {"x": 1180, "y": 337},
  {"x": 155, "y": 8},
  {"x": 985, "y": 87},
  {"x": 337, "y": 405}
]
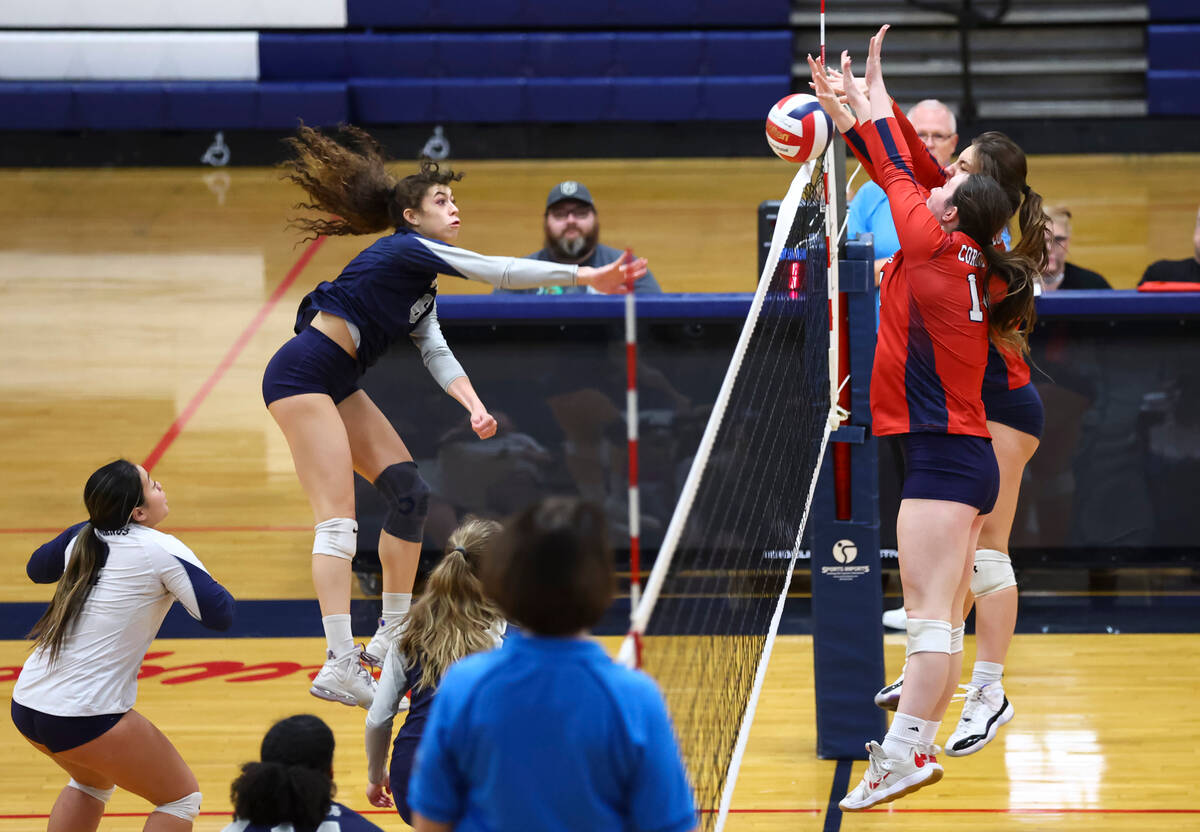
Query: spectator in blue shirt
[
  {"x": 869, "y": 212},
  {"x": 291, "y": 787},
  {"x": 547, "y": 733}
]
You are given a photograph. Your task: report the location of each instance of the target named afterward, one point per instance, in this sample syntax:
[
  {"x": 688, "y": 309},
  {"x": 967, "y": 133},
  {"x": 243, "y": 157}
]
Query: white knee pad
[
  {"x": 993, "y": 572},
  {"x": 956, "y": 638},
  {"x": 337, "y": 538},
  {"x": 928, "y": 635},
  {"x": 103, "y": 795},
  {"x": 185, "y": 808}
]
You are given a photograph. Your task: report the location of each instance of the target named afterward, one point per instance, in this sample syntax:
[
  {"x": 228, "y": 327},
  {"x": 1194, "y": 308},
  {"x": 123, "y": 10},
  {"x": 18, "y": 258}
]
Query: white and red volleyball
[{"x": 798, "y": 129}]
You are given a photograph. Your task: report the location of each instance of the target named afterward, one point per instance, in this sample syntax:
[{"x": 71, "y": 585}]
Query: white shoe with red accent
[{"x": 888, "y": 778}]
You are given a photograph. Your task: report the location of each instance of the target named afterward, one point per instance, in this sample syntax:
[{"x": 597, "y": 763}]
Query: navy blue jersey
[
  {"x": 392, "y": 285},
  {"x": 339, "y": 819}
]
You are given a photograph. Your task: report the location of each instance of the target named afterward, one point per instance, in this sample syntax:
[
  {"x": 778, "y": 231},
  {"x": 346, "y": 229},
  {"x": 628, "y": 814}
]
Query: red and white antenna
[{"x": 631, "y": 420}]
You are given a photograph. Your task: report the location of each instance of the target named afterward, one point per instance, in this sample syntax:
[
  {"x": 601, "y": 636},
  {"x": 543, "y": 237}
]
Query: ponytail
[
  {"x": 453, "y": 617},
  {"x": 269, "y": 794},
  {"x": 982, "y": 210},
  {"x": 1002, "y": 159},
  {"x": 110, "y": 496},
  {"x": 1035, "y": 229},
  {"x": 347, "y": 177}
]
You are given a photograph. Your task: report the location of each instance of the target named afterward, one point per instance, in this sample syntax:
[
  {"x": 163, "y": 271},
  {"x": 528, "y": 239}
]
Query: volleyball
[{"x": 798, "y": 129}]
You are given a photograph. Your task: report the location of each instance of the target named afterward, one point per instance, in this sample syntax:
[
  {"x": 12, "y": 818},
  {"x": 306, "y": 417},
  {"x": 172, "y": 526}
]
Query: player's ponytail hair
[
  {"x": 110, "y": 496},
  {"x": 982, "y": 211},
  {"x": 293, "y": 782},
  {"x": 452, "y": 618},
  {"x": 346, "y": 176},
  {"x": 1001, "y": 158}
]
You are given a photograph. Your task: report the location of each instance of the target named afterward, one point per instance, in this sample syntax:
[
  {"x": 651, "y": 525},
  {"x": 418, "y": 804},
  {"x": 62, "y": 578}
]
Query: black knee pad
[{"x": 407, "y": 497}]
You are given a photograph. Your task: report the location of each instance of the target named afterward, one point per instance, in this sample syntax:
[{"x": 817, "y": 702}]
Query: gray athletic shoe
[{"x": 345, "y": 680}]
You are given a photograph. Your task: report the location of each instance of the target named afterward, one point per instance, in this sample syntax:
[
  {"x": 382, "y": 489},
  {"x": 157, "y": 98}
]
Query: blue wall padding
[
  {"x": 1174, "y": 10},
  {"x": 303, "y": 57},
  {"x": 391, "y": 101},
  {"x": 169, "y": 106},
  {"x": 300, "y": 57},
  {"x": 1174, "y": 47},
  {"x": 538, "y": 14},
  {"x": 1173, "y": 92}
]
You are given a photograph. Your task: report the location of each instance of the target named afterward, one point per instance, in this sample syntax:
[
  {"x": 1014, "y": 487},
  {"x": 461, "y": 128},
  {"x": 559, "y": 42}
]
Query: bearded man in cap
[{"x": 573, "y": 236}]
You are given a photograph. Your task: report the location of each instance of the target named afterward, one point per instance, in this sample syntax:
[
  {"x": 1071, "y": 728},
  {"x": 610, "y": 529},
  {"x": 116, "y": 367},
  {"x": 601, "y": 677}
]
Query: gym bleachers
[
  {"x": 1173, "y": 49},
  {"x": 520, "y": 61}
]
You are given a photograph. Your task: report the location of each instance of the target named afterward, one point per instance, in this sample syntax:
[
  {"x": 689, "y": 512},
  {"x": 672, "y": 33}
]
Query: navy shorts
[
  {"x": 403, "y": 753},
  {"x": 1020, "y": 409},
  {"x": 311, "y": 362},
  {"x": 947, "y": 466},
  {"x": 60, "y": 733}
]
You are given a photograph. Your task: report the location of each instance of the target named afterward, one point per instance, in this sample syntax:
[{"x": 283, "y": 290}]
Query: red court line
[
  {"x": 177, "y": 426},
  {"x": 176, "y": 529},
  {"x": 763, "y": 812}
]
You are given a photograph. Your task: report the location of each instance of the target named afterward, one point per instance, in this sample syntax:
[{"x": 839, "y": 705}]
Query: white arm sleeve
[
  {"x": 505, "y": 272},
  {"x": 379, "y": 718},
  {"x": 435, "y": 352}
]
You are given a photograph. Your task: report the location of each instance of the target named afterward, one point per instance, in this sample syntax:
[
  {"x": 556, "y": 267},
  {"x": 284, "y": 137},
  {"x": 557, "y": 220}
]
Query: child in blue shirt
[{"x": 548, "y": 733}]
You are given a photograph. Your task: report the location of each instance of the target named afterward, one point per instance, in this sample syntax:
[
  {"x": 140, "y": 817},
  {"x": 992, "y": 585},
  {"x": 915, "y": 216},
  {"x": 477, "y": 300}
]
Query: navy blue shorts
[
  {"x": 311, "y": 362},
  {"x": 1020, "y": 409},
  {"x": 947, "y": 466},
  {"x": 403, "y": 753},
  {"x": 60, "y": 733}
]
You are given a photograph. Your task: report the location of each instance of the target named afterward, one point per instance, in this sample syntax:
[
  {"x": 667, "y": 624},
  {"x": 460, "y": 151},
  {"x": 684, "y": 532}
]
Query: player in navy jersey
[
  {"x": 939, "y": 308},
  {"x": 290, "y": 788},
  {"x": 452, "y": 619},
  {"x": 1015, "y": 417},
  {"x": 385, "y": 294},
  {"x": 117, "y": 576}
]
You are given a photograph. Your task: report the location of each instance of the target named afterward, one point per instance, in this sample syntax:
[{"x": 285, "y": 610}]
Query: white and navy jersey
[
  {"x": 339, "y": 819},
  {"x": 145, "y": 571},
  {"x": 391, "y": 286}
]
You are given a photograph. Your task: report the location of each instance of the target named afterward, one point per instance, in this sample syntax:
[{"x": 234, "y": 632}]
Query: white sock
[
  {"x": 986, "y": 673},
  {"x": 395, "y": 605},
  {"x": 338, "y": 634},
  {"x": 904, "y": 735},
  {"x": 930, "y": 731}
]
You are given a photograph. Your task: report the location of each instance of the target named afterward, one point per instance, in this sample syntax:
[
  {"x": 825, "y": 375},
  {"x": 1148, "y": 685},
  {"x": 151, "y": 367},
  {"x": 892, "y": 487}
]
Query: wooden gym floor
[{"x": 139, "y": 307}]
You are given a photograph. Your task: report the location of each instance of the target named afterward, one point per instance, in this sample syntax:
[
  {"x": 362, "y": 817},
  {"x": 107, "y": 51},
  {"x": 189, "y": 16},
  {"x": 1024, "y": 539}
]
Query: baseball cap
[{"x": 569, "y": 190}]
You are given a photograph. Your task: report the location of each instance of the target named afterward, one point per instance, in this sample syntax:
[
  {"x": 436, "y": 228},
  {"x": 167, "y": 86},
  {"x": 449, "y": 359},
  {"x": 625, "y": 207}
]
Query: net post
[{"x": 847, "y": 591}]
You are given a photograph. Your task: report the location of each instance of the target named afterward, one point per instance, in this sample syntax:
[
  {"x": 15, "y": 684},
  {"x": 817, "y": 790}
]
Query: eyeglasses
[
  {"x": 579, "y": 212},
  {"x": 935, "y": 137}
]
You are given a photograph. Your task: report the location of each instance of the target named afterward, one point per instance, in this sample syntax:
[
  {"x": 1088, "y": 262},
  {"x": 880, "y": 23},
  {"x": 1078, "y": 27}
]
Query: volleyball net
[{"x": 705, "y": 623}]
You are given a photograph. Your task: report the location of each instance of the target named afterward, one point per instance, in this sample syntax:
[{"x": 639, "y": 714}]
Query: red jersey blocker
[
  {"x": 1008, "y": 396},
  {"x": 933, "y": 328}
]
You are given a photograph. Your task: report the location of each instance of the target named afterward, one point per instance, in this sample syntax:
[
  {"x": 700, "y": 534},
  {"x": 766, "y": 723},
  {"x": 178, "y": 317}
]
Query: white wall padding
[
  {"x": 129, "y": 56},
  {"x": 173, "y": 14}
]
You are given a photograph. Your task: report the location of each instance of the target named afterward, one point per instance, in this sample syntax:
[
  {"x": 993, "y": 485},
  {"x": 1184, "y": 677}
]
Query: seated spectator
[
  {"x": 1059, "y": 273},
  {"x": 292, "y": 786},
  {"x": 573, "y": 236},
  {"x": 869, "y": 211},
  {"x": 1177, "y": 271},
  {"x": 548, "y": 732}
]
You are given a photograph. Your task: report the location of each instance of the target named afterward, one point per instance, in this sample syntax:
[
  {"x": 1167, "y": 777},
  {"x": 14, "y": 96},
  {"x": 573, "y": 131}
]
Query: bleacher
[
  {"x": 371, "y": 62},
  {"x": 1173, "y": 49}
]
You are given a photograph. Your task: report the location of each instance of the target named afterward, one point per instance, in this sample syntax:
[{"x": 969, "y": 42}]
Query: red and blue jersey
[{"x": 933, "y": 329}]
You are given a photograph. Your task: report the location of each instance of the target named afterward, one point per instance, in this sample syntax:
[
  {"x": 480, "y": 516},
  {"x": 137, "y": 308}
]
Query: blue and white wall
[{"x": 244, "y": 64}]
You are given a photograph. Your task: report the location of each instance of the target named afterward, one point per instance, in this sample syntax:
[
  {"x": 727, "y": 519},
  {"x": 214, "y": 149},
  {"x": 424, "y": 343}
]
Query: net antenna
[{"x": 705, "y": 624}]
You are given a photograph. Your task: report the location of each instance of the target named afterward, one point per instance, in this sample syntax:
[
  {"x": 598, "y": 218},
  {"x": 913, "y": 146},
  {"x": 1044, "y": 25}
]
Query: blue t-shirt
[
  {"x": 869, "y": 213},
  {"x": 550, "y": 734},
  {"x": 339, "y": 819}
]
